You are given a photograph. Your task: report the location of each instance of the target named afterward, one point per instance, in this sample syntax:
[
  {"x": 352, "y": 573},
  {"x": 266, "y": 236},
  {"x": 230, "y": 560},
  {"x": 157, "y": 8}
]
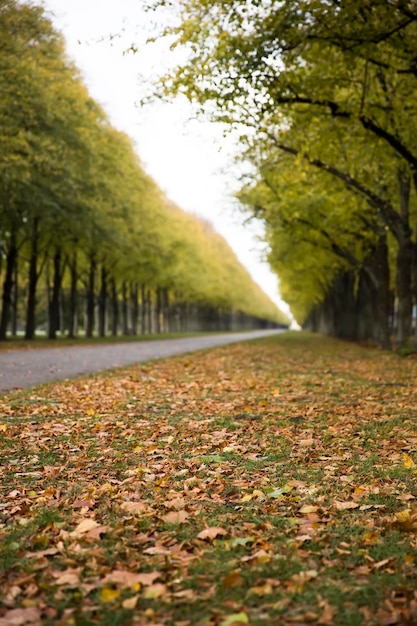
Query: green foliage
[
  {"x": 71, "y": 182},
  {"x": 332, "y": 87}
]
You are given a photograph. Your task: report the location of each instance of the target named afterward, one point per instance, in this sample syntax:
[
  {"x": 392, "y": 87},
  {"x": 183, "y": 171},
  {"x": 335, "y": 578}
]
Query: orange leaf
[{"x": 233, "y": 579}]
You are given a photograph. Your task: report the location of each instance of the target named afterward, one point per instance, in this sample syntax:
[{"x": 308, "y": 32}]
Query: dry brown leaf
[
  {"x": 84, "y": 526},
  {"x": 212, "y": 532},
  {"x": 233, "y": 579},
  {"x": 175, "y": 517},
  {"x": 308, "y": 508},
  {"x": 20, "y": 617},
  {"x": 136, "y": 508},
  {"x": 70, "y": 577},
  {"x": 343, "y": 506},
  {"x": 129, "y": 579},
  {"x": 155, "y": 591},
  {"x": 130, "y": 603}
]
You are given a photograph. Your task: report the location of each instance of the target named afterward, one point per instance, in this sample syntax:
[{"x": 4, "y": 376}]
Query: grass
[
  {"x": 268, "y": 482},
  {"x": 41, "y": 341}
]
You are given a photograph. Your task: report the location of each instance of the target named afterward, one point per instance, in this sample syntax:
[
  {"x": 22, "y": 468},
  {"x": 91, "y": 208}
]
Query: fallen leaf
[
  {"x": 134, "y": 507},
  {"x": 155, "y": 591},
  {"x": 343, "y": 506},
  {"x": 41, "y": 553},
  {"x": 175, "y": 517},
  {"x": 408, "y": 461},
  {"x": 19, "y": 617},
  {"x": 69, "y": 577},
  {"x": 308, "y": 508},
  {"x": 261, "y": 590},
  {"x": 235, "y": 619},
  {"x": 129, "y": 579},
  {"x": 130, "y": 603},
  {"x": 84, "y": 526},
  {"x": 233, "y": 579},
  {"x": 212, "y": 532},
  {"x": 108, "y": 595}
]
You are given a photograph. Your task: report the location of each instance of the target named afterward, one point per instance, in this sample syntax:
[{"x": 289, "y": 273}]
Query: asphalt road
[{"x": 22, "y": 369}]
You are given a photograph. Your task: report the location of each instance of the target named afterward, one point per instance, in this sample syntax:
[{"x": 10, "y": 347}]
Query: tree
[{"x": 272, "y": 66}]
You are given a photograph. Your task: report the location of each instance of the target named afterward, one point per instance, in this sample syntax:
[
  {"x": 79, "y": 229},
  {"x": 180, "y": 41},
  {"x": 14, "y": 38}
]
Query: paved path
[{"x": 21, "y": 369}]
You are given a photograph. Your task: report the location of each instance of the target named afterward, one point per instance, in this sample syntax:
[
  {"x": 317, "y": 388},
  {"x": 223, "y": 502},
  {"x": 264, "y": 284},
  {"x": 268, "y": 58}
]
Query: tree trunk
[
  {"x": 142, "y": 309},
  {"x": 125, "y": 309},
  {"x": 33, "y": 280},
  {"x": 383, "y": 295},
  {"x": 149, "y": 311},
  {"x": 114, "y": 308},
  {"x": 90, "y": 305},
  {"x": 135, "y": 307},
  {"x": 73, "y": 298},
  {"x": 102, "y": 303},
  {"x": 11, "y": 264},
  {"x": 405, "y": 257},
  {"x": 15, "y": 298},
  {"x": 158, "y": 311},
  {"x": 53, "y": 305}
]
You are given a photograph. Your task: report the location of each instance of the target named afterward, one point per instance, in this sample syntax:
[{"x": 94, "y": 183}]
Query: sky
[{"x": 190, "y": 159}]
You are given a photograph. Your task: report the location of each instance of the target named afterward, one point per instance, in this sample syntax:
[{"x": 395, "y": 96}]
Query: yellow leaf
[
  {"x": 403, "y": 516},
  {"x": 91, "y": 412},
  {"x": 408, "y": 461},
  {"x": 108, "y": 595},
  {"x": 247, "y": 497},
  {"x": 3, "y": 428},
  {"x": 235, "y": 618},
  {"x": 308, "y": 508},
  {"x": 155, "y": 591}
]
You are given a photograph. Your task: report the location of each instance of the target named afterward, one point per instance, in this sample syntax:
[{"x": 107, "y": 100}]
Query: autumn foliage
[{"x": 270, "y": 482}]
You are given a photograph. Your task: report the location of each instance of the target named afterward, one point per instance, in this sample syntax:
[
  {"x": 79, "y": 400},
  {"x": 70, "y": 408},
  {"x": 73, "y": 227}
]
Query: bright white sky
[{"x": 190, "y": 160}]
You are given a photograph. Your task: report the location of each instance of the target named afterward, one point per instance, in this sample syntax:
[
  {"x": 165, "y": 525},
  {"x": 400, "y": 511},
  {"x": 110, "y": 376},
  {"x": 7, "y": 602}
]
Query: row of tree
[
  {"x": 87, "y": 238},
  {"x": 324, "y": 94}
]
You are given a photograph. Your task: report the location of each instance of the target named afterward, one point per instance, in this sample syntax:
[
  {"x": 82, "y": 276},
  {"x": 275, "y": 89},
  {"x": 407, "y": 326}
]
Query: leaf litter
[{"x": 268, "y": 482}]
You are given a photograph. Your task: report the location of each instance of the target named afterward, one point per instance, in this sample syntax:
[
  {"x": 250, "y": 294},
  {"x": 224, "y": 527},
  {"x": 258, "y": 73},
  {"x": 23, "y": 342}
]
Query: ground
[{"x": 268, "y": 482}]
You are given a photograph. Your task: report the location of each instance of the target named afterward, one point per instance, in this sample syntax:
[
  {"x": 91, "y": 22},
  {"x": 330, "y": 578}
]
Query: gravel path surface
[{"x": 22, "y": 369}]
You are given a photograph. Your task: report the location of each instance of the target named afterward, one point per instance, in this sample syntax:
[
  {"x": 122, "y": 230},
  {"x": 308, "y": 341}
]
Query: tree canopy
[
  {"x": 332, "y": 86},
  {"x": 82, "y": 222}
]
